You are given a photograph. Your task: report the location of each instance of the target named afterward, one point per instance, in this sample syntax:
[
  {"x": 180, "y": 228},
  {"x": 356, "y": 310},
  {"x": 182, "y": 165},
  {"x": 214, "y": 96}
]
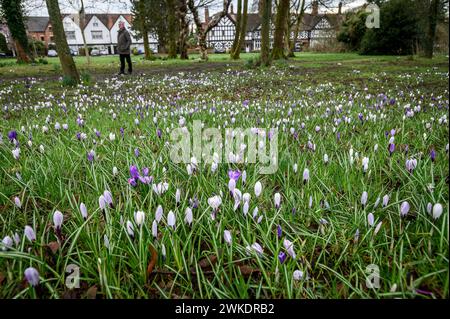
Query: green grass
[{"x": 314, "y": 89}]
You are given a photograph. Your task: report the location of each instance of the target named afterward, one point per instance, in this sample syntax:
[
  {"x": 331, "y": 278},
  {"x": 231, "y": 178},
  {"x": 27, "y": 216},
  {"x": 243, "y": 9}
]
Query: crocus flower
[
  {"x": 437, "y": 210},
  {"x": 163, "y": 251},
  {"x": 102, "y": 202},
  {"x": 231, "y": 185},
  {"x": 289, "y": 248},
  {"x": 385, "y": 200},
  {"x": 130, "y": 229},
  {"x": 139, "y": 218},
  {"x": 234, "y": 175},
  {"x": 155, "y": 228},
  {"x": 115, "y": 171},
  {"x": 429, "y": 208},
  {"x": 370, "y": 219},
  {"x": 12, "y": 135},
  {"x": 17, "y": 202},
  {"x": 325, "y": 158},
  {"x": 83, "y": 211},
  {"x": 391, "y": 148},
  {"x": 356, "y": 237},
  {"x": 258, "y": 189},
  {"x": 134, "y": 172},
  {"x": 7, "y": 242},
  {"x": 29, "y": 233},
  {"x": 106, "y": 241},
  {"x": 108, "y": 198},
  {"x": 377, "y": 202},
  {"x": 136, "y": 152},
  {"x": 377, "y": 229},
  {"x": 282, "y": 257},
  {"x": 16, "y": 153},
  {"x": 295, "y": 168},
  {"x": 365, "y": 164},
  {"x": 277, "y": 200},
  {"x": 404, "y": 209},
  {"x": 159, "y": 213},
  {"x": 257, "y": 248},
  {"x": 298, "y": 275},
  {"x": 364, "y": 198},
  {"x": 214, "y": 202},
  {"x": 58, "y": 219},
  {"x": 32, "y": 276},
  {"x": 305, "y": 176},
  {"x": 188, "y": 216},
  {"x": 91, "y": 155},
  {"x": 279, "y": 231},
  {"x": 177, "y": 196},
  {"x": 245, "y": 208},
  {"x": 227, "y": 237},
  {"x": 433, "y": 155},
  {"x": 411, "y": 164},
  {"x": 171, "y": 219}
]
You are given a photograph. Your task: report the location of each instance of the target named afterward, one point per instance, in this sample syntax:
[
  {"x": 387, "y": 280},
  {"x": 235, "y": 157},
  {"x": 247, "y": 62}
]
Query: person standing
[{"x": 123, "y": 48}]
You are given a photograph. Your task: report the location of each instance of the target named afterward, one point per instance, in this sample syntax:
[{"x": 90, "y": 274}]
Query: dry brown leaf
[
  {"x": 91, "y": 292},
  {"x": 153, "y": 260}
]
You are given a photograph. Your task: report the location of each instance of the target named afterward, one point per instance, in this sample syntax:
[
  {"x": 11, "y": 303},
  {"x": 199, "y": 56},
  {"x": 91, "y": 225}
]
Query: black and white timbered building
[{"x": 315, "y": 29}]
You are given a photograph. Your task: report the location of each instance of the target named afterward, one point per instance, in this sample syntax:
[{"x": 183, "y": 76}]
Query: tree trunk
[
  {"x": 144, "y": 30},
  {"x": 237, "y": 28},
  {"x": 184, "y": 29},
  {"x": 297, "y": 27},
  {"x": 203, "y": 46},
  {"x": 242, "y": 32},
  {"x": 280, "y": 27},
  {"x": 431, "y": 28},
  {"x": 266, "y": 13},
  {"x": 22, "y": 56},
  {"x": 172, "y": 26},
  {"x": 67, "y": 64},
  {"x": 83, "y": 36},
  {"x": 13, "y": 13}
]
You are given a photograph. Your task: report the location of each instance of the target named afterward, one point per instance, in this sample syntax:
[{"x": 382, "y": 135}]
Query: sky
[{"x": 37, "y": 7}]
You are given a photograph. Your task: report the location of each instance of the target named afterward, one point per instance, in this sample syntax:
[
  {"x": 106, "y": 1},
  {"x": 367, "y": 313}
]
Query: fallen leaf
[
  {"x": 54, "y": 246},
  {"x": 91, "y": 293},
  {"x": 153, "y": 260}
]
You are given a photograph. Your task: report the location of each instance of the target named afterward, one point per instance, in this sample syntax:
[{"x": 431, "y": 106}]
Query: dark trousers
[{"x": 122, "y": 63}]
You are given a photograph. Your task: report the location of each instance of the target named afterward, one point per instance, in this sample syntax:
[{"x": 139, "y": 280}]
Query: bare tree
[
  {"x": 280, "y": 28},
  {"x": 182, "y": 11},
  {"x": 203, "y": 29}
]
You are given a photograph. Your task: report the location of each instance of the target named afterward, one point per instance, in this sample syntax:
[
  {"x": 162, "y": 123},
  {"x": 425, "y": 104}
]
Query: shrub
[{"x": 68, "y": 81}]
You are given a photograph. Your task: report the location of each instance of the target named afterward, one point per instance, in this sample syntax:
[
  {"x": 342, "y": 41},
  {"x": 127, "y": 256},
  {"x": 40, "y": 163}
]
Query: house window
[
  {"x": 212, "y": 33},
  {"x": 223, "y": 33},
  {"x": 70, "y": 35},
  {"x": 95, "y": 24},
  {"x": 42, "y": 38},
  {"x": 97, "y": 35},
  {"x": 51, "y": 38}
]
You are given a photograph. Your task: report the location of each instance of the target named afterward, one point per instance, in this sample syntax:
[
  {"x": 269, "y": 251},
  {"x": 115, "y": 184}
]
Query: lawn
[{"x": 357, "y": 207}]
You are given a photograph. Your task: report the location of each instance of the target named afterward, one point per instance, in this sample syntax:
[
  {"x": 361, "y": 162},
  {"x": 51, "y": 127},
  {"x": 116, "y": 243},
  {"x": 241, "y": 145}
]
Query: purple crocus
[
  {"x": 12, "y": 135},
  {"x": 279, "y": 231},
  {"x": 32, "y": 276},
  {"x": 234, "y": 174},
  {"x": 433, "y": 155},
  {"x": 136, "y": 152},
  {"x": 282, "y": 257},
  {"x": 159, "y": 133},
  {"x": 391, "y": 148},
  {"x": 134, "y": 172},
  {"x": 91, "y": 155},
  {"x": 121, "y": 131}
]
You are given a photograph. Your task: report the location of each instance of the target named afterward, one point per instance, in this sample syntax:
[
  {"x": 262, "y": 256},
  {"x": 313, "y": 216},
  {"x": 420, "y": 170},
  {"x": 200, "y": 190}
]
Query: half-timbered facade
[{"x": 314, "y": 29}]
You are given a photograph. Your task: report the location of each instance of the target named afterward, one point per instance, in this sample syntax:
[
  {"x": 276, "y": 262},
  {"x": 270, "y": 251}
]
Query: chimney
[
  {"x": 340, "y": 8},
  {"x": 231, "y": 9},
  {"x": 206, "y": 14},
  {"x": 315, "y": 8}
]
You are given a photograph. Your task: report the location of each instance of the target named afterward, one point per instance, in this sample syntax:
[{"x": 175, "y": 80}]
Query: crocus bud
[
  {"x": 159, "y": 213},
  {"x": 139, "y": 218},
  {"x": 171, "y": 219},
  {"x": 17, "y": 202},
  {"x": 305, "y": 176},
  {"x": 177, "y": 196},
  {"x": 404, "y": 209},
  {"x": 289, "y": 248},
  {"x": 188, "y": 216},
  {"x": 32, "y": 276},
  {"x": 364, "y": 198},
  {"x": 58, "y": 219},
  {"x": 83, "y": 211},
  {"x": 130, "y": 229},
  {"x": 298, "y": 275},
  {"x": 258, "y": 189},
  {"x": 437, "y": 210},
  {"x": 155, "y": 229},
  {"x": 385, "y": 200},
  {"x": 227, "y": 237},
  {"x": 277, "y": 200},
  {"x": 29, "y": 233},
  {"x": 370, "y": 219}
]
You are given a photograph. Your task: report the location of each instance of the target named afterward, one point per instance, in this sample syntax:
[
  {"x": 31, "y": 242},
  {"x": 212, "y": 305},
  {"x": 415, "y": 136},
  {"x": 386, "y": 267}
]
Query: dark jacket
[{"x": 123, "y": 42}]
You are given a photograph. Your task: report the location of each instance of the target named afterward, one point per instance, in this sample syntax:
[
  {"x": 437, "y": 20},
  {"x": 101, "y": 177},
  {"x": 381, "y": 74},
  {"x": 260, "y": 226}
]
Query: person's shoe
[{"x": 120, "y": 73}]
